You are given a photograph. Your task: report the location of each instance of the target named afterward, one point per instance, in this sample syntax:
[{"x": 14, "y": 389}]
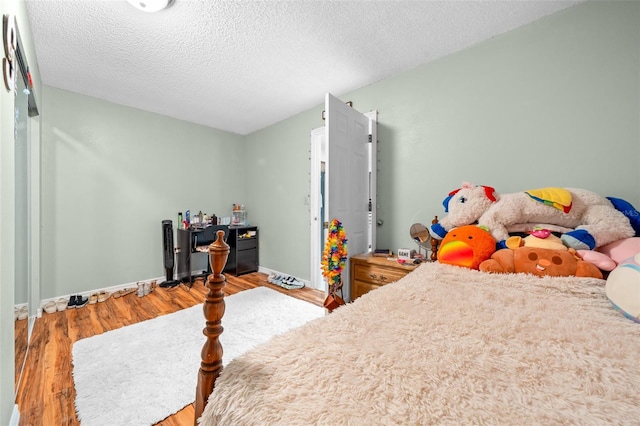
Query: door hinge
[
  {"x": 370, "y": 138},
  {"x": 325, "y": 225}
]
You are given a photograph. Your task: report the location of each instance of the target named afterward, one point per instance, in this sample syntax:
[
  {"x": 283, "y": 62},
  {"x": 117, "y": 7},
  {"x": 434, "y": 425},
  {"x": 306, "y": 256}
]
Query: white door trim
[{"x": 315, "y": 221}]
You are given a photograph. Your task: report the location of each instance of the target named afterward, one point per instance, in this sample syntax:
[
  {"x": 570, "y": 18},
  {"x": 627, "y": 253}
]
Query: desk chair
[{"x": 203, "y": 239}]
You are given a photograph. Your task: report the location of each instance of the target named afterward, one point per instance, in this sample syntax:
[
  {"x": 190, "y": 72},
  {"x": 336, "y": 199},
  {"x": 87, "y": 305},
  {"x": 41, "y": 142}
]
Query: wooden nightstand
[{"x": 370, "y": 272}]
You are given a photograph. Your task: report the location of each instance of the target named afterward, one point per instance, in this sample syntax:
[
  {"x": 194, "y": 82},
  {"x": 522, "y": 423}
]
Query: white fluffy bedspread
[{"x": 445, "y": 345}]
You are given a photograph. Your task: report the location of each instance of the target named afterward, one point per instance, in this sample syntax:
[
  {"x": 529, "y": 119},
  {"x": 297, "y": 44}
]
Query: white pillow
[{"x": 623, "y": 287}]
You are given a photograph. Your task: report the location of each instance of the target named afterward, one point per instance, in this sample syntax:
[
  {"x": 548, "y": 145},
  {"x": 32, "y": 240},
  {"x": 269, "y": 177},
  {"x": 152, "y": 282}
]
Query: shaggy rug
[
  {"x": 445, "y": 345},
  {"x": 142, "y": 373}
]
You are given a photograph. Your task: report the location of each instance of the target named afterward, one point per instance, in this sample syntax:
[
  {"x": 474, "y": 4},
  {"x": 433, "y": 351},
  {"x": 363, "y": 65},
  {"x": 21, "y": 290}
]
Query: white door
[
  {"x": 317, "y": 196},
  {"x": 348, "y": 195}
]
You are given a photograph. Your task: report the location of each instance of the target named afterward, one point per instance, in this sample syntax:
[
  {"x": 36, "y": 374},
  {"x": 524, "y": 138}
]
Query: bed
[{"x": 443, "y": 345}]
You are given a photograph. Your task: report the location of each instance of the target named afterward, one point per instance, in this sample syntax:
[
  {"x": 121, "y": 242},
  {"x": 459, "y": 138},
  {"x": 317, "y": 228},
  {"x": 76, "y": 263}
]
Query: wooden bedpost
[
  {"x": 434, "y": 243},
  {"x": 211, "y": 364}
]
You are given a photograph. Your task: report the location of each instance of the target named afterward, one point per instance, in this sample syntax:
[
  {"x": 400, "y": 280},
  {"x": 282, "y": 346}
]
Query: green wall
[
  {"x": 111, "y": 174},
  {"x": 555, "y": 103},
  {"x": 278, "y": 183}
]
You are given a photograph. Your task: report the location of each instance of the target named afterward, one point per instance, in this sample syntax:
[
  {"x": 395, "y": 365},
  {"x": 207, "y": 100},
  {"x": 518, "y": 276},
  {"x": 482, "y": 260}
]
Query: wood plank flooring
[{"x": 46, "y": 395}]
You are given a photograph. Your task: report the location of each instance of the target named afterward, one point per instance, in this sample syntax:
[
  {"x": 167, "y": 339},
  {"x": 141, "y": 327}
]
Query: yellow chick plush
[{"x": 539, "y": 238}]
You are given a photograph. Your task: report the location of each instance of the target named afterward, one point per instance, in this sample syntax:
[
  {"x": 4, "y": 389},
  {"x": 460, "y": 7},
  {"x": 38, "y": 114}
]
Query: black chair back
[{"x": 209, "y": 234}]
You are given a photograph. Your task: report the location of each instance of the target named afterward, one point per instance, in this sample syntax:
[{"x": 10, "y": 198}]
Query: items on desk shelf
[
  {"x": 200, "y": 220},
  {"x": 238, "y": 215},
  {"x": 248, "y": 234}
]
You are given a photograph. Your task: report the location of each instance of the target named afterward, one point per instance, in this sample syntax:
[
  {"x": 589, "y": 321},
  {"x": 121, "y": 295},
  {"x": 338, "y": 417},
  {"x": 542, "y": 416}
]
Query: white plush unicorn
[{"x": 592, "y": 219}]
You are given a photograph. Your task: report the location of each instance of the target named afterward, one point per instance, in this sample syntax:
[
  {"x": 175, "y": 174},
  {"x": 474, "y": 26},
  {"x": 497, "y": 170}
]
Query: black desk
[
  {"x": 195, "y": 240},
  {"x": 243, "y": 250}
]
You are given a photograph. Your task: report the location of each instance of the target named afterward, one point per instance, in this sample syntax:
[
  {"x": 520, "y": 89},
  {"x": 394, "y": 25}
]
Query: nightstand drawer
[
  {"x": 378, "y": 275},
  {"x": 360, "y": 287},
  {"x": 370, "y": 273}
]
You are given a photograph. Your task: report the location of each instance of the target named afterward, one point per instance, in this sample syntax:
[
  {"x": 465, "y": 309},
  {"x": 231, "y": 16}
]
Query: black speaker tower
[{"x": 168, "y": 251}]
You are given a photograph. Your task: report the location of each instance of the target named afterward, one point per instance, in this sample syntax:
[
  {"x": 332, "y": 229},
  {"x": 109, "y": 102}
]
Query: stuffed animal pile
[
  {"x": 596, "y": 234},
  {"x": 594, "y": 219}
]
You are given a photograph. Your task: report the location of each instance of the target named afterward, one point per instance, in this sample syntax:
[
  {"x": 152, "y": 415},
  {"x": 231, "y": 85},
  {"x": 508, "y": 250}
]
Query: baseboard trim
[
  {"x": 15, "y": 416},
  {"x": 266, "y": 270}
]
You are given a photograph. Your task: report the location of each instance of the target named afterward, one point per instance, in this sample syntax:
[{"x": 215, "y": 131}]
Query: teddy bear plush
[
  {"x": 541, "y": 253},
  {"x": 593, "y": 219},
  {"x": 541, "y": 262}
]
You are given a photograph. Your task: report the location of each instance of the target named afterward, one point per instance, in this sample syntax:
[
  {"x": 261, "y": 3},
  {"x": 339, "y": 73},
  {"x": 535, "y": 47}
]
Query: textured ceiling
[{"x": 243, "y": 65}]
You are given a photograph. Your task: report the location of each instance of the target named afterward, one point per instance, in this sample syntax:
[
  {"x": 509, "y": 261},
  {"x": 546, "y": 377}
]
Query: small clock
[{"x": 405, "y": 253}]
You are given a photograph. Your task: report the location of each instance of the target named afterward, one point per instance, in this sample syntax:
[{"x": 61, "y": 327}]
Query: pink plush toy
[{"x": 610, "y": 255}]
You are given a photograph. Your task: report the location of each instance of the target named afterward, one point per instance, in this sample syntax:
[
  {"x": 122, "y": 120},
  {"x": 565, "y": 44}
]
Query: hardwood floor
[{"x": 46, "y": 395}]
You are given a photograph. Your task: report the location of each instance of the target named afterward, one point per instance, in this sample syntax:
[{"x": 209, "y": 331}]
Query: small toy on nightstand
[{"x": 406, "y": 254}]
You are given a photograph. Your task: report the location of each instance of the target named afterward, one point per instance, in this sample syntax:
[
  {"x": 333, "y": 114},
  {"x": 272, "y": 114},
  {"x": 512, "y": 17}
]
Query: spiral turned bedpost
[{"x": 214, "y": 306}]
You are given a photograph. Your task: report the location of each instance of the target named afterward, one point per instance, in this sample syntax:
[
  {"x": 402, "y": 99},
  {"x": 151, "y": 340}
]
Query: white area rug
[{"x": 142, "y": 373}]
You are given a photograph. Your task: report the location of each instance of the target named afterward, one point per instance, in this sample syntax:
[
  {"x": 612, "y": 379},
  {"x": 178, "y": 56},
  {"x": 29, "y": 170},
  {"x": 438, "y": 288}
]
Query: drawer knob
[{"x": 380, "y": 278}]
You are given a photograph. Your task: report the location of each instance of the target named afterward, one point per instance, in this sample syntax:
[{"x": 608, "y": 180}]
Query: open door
[{"x": 350, "y": 177}]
